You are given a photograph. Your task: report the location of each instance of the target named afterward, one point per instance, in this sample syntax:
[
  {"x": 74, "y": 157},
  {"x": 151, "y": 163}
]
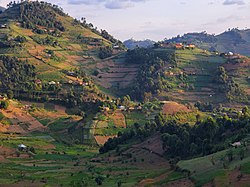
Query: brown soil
[
  {"x": 153, "y": 144},
  {"x": 24, "y": 183},
  {"x": 18, "y": 115},
  {"x": 119, "y": 119},
  {"x": 181, "y": 183},
  {"x": 101, "y": 140},
  {"x": 173, "y": 108},
  {"x": 234, "y": 178}
]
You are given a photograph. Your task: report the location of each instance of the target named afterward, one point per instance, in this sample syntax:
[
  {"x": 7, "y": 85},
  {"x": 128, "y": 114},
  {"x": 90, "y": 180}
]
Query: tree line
[{"x": 185, "y": 141}]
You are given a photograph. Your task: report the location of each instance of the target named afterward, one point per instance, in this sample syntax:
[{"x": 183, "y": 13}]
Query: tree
[
  {"x": 4, "y": 104},
  {"x": 10, "y": 94},
  {"x": 230, "y": 155},
  {"x": 99, "y": 180},
  {"x": 105, "y": 52}
]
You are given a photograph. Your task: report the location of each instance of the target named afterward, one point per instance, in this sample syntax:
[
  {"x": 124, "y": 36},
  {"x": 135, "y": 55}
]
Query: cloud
[
  {"x": 109, "y": 4},
  {"x": 233, "y": 2}
]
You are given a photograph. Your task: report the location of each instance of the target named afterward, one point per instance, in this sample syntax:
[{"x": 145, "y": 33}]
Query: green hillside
[
  {"x": 52, "y": 46},
  {"x": 188, "y": 76},
  {"x": 233, "y": 40},
  {"x": 78, "y": 109}
]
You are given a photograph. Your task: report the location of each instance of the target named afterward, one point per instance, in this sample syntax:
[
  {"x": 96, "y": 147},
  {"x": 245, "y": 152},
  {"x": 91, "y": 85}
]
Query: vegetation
[
  {"x": 105, "y": 52},
  {"x": 150, "y": 78},
  {"x": 158, "y": 113}
]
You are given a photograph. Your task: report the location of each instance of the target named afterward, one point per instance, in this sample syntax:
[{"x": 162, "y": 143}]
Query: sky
[{"x": 158, "y": 19}]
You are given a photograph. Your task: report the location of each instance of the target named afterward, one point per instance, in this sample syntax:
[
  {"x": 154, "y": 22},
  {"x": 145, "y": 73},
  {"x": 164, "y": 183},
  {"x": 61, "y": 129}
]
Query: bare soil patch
[
  {"x": 101, "y": 140},
  {"x": 119, "y": 119},
  {"x": 173, "y": 108}
]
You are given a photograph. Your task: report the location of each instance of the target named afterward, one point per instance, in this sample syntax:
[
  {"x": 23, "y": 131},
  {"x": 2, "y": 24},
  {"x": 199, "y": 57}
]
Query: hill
[
  {"x": 2, "y": 9},
  {"x": 56, "y": 50},
  {"x": 189, "y": 75},
  {"x": 234, "y": 40},
  {"x": 131, "y": 43},
  {"x": 77, "y": 109}
]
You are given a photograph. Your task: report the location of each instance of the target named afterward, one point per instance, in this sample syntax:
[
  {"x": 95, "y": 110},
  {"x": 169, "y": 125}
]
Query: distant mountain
[
  {"x": 235, "y": 40},
  {"x": 2, "y": 9},
  {"x": 131, "y": 43}
]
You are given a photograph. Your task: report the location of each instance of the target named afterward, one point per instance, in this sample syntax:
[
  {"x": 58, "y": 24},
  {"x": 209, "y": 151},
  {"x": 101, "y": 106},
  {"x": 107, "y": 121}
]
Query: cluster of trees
[
  {"x": 4, "y": 104},
  {"x": 55, "y": 32},
  {"x": 105, "y": 52},
  {"x": 95, "y": 30},
  {"x": 204, "y": 107},
  {"x": 15, "y": 74},
  {"x": 34, "y": 13},
  {"x": 48, "y": 40},
  {"x": 227, "y": 85},
  {"x": 206, "y": 137},
  {"x": 11, "y": 42},
  {"x": 89, "y": 41},
  {"x": 185, "y": 141},
  {"x": 150, "y": 78}
]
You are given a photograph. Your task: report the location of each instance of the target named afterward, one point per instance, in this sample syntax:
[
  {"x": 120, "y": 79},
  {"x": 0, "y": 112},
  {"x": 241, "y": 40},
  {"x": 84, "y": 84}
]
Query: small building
[
  {"x": 139, "y": 108},
  {"x": 122, "y": 107},
  {"x": 22, "y": 147},
  {"x": 230, "y": 53},
  {"x": 190, "y": 46},
  {"x": 106, "y": 109},
  {"x": 179, "y": 46},
  {"x": 131, "y": 108},
  {"x": 3, "y": 26},
  {"x": 52, "y": 83},
  {"x": 38, "y": 81},
  {"x": 116, "y": 47},
  {"x": 236, "y": 144}
]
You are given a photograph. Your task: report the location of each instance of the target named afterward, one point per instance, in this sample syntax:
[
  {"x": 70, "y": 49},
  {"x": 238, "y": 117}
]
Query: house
[
  {"x": 116, "y": 47},
  {"x": 38, "y": 81},
  {"x": 230, "y": 53},
  {"x": 22, "y": 147},
  {"x": 131, "y": 108},
  {"x": 52, "y": 83},
  {"x": 3, "y": 26},
  {"x": 70, "y": 82},
  {"x": 106, "y": 109},
  {"x": 190, "y": 46},
  {"x": 139, "y": 108},
  {"x": 122, "y": 107},
  {"x": 179, "y": 46},
  {"x": 236, "y": 144}
]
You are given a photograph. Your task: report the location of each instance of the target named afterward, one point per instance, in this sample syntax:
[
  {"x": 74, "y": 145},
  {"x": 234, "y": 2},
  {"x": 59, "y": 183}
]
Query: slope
[
  {"x": 189, "y": 75},
  {"x": 233, "y": 40},
  {"x": 60, "y": 43}
]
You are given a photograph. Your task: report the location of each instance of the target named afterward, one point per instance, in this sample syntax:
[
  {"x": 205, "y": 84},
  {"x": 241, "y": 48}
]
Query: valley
[{"x": 77, "y": 108}]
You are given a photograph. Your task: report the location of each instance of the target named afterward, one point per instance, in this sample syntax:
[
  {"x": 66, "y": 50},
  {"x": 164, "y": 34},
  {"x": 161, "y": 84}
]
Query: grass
[
  {"x": 245, "y": 168},
  {"x": 173, "y": 176},
  {"x": 135, "y": 117},
  {"x": 203, "y": 171}
]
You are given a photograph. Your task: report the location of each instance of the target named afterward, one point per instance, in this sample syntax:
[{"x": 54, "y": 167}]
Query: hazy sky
[{"x": 159, "y": 19}]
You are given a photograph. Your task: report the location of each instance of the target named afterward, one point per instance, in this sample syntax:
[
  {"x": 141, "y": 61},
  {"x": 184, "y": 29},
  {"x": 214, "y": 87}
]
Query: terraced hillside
[
  {"x": 62, "y": 44},
  {"x": 192, "y": 75}
]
